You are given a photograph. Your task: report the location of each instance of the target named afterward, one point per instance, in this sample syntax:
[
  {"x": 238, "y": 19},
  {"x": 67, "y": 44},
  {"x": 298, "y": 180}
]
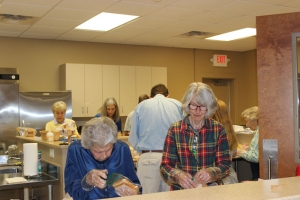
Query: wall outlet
[{"x": 52, "y": 153}]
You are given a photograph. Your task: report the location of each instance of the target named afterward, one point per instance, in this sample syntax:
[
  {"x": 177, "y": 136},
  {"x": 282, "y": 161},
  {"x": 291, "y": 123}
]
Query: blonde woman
[
  {"x": 251, "y": 154},
  {"x": 222, "y": 116},
  {"x": 59, "y": 109}
]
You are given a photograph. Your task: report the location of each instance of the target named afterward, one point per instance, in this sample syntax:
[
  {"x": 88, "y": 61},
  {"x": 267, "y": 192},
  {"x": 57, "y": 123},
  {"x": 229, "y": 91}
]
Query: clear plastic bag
[
  {"x": 26, "y": 131},
  {"x": 122, "y": 185}
]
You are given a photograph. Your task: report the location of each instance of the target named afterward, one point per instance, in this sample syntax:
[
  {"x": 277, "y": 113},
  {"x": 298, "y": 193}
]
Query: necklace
[{"x": 196, "y": 126}]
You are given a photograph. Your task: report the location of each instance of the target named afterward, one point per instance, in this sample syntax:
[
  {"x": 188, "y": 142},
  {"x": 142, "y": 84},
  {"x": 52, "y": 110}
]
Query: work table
[
  {"x": 45, "y": 179},
  {"x": 283, "y": 189},
  {"x": 52, "y": 153}
]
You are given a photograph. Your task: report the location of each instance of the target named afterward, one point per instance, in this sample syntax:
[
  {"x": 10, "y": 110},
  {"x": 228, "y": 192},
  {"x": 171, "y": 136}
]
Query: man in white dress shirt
[{"x": 129, "y": 117}]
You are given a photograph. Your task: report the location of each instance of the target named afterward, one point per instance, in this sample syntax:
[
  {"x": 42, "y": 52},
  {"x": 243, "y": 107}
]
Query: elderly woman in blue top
[
  {"x": 91, "y": 160},
  {"x": 110, "y": 109}
]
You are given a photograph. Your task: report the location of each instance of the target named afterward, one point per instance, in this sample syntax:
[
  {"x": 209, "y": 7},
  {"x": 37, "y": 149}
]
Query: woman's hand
[
  {"x": 240, "y": 152},
  {"x": 184, "y": 179},
  {"x": 245, "y": 147},
  {"x": 202, "y": 177},
  {"x": 97, "y": 178},
  {"x": 125, "y": 190}
]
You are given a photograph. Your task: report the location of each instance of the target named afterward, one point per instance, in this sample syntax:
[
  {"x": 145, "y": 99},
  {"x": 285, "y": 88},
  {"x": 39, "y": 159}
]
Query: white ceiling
[{"x": 161, "y": 22}]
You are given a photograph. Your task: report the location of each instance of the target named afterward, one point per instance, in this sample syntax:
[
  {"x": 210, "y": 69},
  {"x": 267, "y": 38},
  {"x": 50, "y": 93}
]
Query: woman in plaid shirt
[{"x": 196, "y": 149}]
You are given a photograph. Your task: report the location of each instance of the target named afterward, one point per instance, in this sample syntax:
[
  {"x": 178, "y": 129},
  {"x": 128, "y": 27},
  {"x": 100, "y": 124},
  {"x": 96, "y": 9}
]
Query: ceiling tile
[
  {"x": 275, "y": 10},
  {"x": 241, "y": 7},
  {"x": 38, "y": 36},
  {"x": 13, "y": 27},
  {"x": 121, "y": 36},
  {"x": 166, "y": 32},
  {"x": 243, "y": 21},
  {"x": 222, "y": 28},
  {"x": 187, "y": 26},
  {"x": 9, "y": 34},
  {"x": 152, "y": 22},
  {"x": 203, "y": 5},
  {"x": 137, "y": 30},
  {"x": 147, "y": 38},
  {"x": 92, "y": 5},
  {"x": 46, "y": 30},
  {"x": 85, "y": 33},
  {"x": 73, "y": 38},
  {"x": 71, "y": 14},
  {"x": 23, "y": 9},
  {"x": 295, "y": 4},
  {"x": 214, "y": 17},
  {"x": 273, "y": 2},
  {"x": 174, "y": 13},
  {"x": 35, "y": 2},
  {"x": 132, "y": 8},
  {"x": 59, "y": 23},
  {"x": 154, "y": 2}
]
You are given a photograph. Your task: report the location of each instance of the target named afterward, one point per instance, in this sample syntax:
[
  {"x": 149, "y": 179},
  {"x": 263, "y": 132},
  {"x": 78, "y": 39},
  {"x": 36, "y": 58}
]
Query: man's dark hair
[
  {"x": 159, "y": 89},
  {"x": 143, "y": 97}
]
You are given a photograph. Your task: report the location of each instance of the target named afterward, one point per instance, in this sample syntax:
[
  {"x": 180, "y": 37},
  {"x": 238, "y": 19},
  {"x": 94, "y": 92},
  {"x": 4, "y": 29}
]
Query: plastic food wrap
[
  {"x": 121, "y": 183},
  {"x": 26, "y": 131}
]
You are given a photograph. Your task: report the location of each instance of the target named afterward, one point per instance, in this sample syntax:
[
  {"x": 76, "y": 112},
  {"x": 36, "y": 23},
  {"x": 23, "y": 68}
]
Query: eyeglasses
[{"x": 194, "y": 107}]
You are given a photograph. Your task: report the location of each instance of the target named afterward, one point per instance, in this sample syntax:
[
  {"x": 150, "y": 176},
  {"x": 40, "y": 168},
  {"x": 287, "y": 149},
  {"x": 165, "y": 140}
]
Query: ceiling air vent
[
  {"x": 16, "y": 19},
  {"x": 196, "y": 34}
]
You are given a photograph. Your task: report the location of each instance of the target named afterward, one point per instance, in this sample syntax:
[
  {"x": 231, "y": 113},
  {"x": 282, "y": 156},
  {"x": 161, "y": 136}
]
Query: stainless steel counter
[
  {"x": 44, "y": 180},
  {"x": 52, "y": 153},
  {"x": 50, "y": 176}
]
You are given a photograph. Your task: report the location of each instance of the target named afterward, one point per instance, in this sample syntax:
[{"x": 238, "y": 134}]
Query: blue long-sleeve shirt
[
  {"x": 80, "y": 161},
  {"x": 118, "y": 123},
  {"x": 151, "y": 121}
]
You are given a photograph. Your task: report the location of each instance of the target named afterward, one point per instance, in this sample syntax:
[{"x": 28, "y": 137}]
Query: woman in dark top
[{"x": 110, "y": 109}]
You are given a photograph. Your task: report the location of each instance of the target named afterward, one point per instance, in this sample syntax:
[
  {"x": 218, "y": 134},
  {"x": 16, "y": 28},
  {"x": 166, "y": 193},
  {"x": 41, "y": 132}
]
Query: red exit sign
[{"x": 220, "y": 60}]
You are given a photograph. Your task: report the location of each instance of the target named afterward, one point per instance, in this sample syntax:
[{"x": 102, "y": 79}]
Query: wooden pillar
[{"x": 275, "y": 87}]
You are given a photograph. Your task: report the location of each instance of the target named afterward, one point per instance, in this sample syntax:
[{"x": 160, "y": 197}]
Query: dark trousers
[{"x": 254, "y": 170}]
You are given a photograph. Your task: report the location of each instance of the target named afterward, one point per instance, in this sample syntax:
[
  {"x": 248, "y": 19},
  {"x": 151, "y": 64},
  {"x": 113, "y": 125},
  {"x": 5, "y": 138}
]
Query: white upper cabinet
[
  {"x": 128, "y": 99},
  {"x": 93, "y": 89},
  {"x": 92, "y": 84},
  {"x": 111, "y": 82},
  {"x": 143, "y": 81},
  {"x": 85, "y": 82}
]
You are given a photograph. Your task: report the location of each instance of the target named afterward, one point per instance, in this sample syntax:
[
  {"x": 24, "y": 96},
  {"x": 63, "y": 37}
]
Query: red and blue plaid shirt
[{"x": 212, "y": 150}]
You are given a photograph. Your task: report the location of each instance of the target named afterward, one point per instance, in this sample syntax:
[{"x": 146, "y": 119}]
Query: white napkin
[{"x": 15, "y": 180}]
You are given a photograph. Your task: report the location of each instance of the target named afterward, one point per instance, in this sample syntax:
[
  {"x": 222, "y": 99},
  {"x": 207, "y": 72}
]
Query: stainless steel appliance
[
  {"x": 36, "y": 107},
  {"x": 9, "y": 106}
]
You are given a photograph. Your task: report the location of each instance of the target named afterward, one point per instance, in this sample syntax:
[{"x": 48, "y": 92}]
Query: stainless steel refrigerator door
[
  {"x": 9, "y": 114},
  {"x": 36, "y": 107}
]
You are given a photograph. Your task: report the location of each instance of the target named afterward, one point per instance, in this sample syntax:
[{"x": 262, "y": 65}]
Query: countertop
[
  {"x": 283, "y": 188},
  {"x": 39, "y": 140},
  {"x": 56, "y": 143}
]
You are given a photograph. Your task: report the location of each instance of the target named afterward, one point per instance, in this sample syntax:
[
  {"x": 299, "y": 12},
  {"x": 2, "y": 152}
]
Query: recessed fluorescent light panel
[
  {"x": 106, "y": 21},
  {"x": 234, "y": 35}
]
